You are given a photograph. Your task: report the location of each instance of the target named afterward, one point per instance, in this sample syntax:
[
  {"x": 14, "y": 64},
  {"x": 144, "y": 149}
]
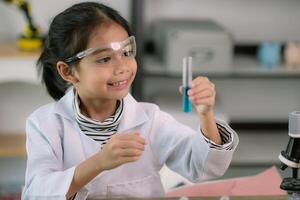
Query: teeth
[{"x": 119, "y": 83}]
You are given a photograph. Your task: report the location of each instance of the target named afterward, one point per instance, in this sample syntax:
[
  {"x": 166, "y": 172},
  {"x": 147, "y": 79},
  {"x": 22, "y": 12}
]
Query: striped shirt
[
  {"x": 98, "y": 131},
  {"x": 103, "y": 131},
  {"x": 226, "y": 137}
]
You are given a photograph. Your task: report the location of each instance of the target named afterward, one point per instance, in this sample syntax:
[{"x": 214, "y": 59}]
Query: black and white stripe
[
  {"x": 226, "y": 137},
  {"x": 98, "y": 131}
]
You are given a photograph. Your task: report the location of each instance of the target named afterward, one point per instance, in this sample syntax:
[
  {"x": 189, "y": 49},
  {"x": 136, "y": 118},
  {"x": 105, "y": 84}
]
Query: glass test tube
[{"x": 186, "y": 83}]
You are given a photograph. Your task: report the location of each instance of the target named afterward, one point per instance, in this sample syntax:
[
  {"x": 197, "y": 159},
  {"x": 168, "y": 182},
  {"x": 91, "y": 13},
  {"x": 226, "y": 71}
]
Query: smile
[{"x": 119, "y": 83}]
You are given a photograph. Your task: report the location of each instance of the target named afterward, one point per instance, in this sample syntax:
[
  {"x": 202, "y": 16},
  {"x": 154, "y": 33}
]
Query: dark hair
[{"x": 68, "y": 34}]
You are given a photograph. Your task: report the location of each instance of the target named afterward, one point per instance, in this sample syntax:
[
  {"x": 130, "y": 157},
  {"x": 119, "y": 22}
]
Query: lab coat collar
[{"x": 133, "y": 113}]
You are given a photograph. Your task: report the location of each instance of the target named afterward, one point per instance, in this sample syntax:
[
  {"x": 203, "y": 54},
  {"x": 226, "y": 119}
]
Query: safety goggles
[{"x": 126, "y": 47}]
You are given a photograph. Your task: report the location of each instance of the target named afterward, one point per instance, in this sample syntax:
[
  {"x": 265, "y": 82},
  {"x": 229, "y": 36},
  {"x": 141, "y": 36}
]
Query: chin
[{"x": 121, "y": 95}]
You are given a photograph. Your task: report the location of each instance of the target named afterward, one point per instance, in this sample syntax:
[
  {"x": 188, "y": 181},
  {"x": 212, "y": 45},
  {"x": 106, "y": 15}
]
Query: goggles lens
[{"x": 127, "y": 47}]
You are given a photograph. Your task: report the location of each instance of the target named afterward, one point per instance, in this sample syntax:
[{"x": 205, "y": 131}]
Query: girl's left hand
[{"x": 202, "y": 94}]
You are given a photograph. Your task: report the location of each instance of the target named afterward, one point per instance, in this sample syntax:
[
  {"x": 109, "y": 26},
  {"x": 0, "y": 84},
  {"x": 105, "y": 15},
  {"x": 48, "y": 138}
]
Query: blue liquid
[{"x": 186, "y": 103}]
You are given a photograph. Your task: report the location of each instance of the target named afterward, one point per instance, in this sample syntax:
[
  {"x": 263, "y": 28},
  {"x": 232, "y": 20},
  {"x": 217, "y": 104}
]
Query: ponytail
[{"x": 55, "y": 85}]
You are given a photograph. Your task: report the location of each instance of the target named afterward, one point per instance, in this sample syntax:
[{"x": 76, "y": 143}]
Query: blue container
[{"x": 269, "y": 54}]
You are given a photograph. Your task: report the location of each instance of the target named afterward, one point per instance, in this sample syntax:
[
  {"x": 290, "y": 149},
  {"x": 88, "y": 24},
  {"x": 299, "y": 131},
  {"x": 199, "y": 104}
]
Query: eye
[
  {"x": 128, "y": 53},
  {"x": 104, "y": 60}
]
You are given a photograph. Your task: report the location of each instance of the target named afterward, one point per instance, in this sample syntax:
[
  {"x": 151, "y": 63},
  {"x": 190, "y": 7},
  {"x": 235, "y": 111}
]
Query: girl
[{"x": 96, "y": 141}]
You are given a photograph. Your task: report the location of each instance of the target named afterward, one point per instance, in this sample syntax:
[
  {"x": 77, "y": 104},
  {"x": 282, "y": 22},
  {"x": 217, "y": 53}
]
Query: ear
[{"x": 66, "y": 72}]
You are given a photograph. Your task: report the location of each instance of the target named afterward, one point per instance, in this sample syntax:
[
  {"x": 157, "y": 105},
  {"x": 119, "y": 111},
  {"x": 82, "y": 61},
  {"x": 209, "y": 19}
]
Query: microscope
[
  {"x": 31, "y": 38},
  {"x": 291, "y": 158}
]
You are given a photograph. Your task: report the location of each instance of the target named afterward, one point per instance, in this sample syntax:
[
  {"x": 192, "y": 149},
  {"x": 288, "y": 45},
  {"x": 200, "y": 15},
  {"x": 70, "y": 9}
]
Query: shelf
[
  {"x": 11, "y": 51},
  {"x": 243, "y": 67},
  {"x": 249, "y": 66},
  {"x": 17, "y": 65},
  {"x": 12, "y": 145}
]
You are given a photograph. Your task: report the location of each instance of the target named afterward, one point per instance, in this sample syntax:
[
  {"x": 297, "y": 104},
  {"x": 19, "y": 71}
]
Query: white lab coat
[{"x": 56, "y": 145}]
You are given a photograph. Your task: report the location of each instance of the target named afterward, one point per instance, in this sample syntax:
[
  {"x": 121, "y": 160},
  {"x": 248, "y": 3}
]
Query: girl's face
[{"x": 105, "y": 75}]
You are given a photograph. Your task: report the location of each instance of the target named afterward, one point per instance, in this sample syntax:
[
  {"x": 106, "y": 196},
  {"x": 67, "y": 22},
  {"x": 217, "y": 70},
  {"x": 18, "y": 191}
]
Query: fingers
[
  {"x": 131, "y": 144},
  {"x": 129, "y": 159},
  {"x": 202, "y": 83},
  {"x": 201, "y": 94},
  {"x": 130, "y": 153},
  {"x": 180, "y": 89},
  {"x": 201, "y": 88},
  {"x": 129, "y": 148},
  {"x": 127, "y": 141},
  {"x": 204, "y": 101},
  {"x": 122, "y": 148},
  {"x": 133, "y": 136}
]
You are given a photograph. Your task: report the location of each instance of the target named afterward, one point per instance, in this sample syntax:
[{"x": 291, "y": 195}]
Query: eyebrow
[{"x": 100, "y": 51}]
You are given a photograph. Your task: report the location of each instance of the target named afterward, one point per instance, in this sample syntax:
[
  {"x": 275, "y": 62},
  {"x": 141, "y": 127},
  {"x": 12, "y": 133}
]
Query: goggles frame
[{"x": 115, "y": 46}]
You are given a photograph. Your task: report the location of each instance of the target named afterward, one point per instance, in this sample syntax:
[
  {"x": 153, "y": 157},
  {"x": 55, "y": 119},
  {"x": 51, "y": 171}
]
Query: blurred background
[{"x": 249, "y": 49}]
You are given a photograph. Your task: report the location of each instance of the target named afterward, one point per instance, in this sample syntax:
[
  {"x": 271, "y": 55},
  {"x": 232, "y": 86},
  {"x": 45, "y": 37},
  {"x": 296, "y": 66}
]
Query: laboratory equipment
[
  {"x": 186, "y": 83},
  {"x": 205, "y": 41},
  {"x": 31, "y": 38},
  {"x": 269, "y": 54},
  {"x": 292, "y": 55},
  {"x": 291, "y": 157}
]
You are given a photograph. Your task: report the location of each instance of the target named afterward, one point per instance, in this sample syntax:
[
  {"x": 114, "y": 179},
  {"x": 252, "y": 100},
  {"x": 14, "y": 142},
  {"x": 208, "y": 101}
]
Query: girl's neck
[{"x": 97, "y": 110}]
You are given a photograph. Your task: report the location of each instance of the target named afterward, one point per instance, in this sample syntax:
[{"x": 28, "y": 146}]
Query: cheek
[
  {"x": 133, "y": 65},
  {"x": 97, "y": 77}
]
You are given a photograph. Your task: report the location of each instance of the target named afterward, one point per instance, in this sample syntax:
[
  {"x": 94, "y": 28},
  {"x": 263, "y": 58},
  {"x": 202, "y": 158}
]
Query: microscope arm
[{"x": 24, "y": 6}]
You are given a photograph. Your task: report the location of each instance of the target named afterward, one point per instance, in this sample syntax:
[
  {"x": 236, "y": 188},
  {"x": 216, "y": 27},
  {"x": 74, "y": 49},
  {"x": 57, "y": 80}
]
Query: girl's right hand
[{"x": 120, "y": 149}]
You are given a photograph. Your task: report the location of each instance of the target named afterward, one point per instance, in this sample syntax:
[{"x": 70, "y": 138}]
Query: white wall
[
  {"x": 248, "y": 20},
  {"x": 43, "y": 11}
]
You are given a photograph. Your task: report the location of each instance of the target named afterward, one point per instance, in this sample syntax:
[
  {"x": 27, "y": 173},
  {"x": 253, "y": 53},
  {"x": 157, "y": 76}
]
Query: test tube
[{"x": 186, "y": 83}]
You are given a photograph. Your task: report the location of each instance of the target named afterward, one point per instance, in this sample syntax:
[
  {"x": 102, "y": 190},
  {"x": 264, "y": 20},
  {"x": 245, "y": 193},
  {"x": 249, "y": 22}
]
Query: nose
[{"x": 120, "y": 64}]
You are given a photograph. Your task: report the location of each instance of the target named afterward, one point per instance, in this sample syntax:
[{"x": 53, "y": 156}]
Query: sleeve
[
  {"x": 226, "y": 137},
  {"x": 45, "y": 175},
  {"x": 186, "y": 152}
]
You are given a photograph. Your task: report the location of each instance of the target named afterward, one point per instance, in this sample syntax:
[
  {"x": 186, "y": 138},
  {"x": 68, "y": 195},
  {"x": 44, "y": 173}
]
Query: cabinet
[
  {"x": 247, "y": 93},
  {"x": 21, "y": 91},
  {"x": 17, "y": 68},
  {"x": 12, "y": 145},
  {"x": 16, "y": 65},
  {"x": 20, "y": 94}
]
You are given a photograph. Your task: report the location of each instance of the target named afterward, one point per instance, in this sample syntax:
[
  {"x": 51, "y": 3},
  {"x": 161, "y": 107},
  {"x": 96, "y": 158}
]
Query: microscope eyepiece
[
  {"x": 291, "y": 156},
  {"x": 294, "y": 124}
]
